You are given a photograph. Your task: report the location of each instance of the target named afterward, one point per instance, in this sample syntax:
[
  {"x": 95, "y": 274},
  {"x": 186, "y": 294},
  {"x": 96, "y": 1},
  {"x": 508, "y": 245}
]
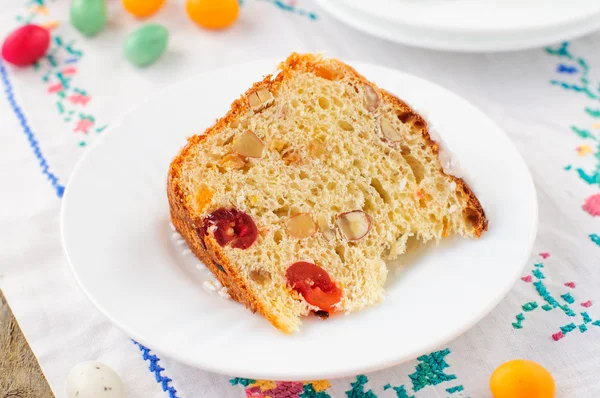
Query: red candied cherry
[
  {"x": 233, "y": 227},
  {"x": 314, "y": 284}
]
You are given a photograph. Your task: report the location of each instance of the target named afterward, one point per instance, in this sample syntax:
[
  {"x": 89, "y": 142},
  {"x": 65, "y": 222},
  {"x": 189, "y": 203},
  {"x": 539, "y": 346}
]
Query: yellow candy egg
[
  {"x": 521, "y": 378},
  {"x": 142, "y": 8},
  {"x": 213, "y": 14}
]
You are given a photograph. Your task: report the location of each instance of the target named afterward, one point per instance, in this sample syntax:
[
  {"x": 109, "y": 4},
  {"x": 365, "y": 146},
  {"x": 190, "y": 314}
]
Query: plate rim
[
  {"x": 309, "y": 374},
  {"x": 462, "y": 29},
  {"x": 347, "y": 14}
]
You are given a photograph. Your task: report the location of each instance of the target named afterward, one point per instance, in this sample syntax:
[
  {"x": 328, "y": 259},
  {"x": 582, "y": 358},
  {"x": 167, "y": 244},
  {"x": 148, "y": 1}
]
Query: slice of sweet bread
[{"x": 297, "y": 196}]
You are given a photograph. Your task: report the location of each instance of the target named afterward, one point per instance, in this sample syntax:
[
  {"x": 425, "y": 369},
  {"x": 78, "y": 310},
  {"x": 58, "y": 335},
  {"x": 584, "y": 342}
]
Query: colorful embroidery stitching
[
  {"x": 291, "y": 7},
  {"x": 33, "y": 143},
  {"x": 58, "y": 73},
  {"x": 283, "y": 389},
  {"x": 429, "y": 371},
  {"x": 154, "y": 367},
  {"x": 578, "y": 67},
  {"x": 551, "y": 303}
]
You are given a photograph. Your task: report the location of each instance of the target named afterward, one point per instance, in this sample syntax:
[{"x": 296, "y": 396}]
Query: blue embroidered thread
[
  {"x": 562, "y": 68},
  {"x": 291, "y": 8},
  {"x": 33, "y": 143},
  {"x": 164, "y": 381}
]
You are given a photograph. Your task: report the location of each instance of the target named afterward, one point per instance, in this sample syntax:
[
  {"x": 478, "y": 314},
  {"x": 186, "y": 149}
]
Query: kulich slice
[{"x": 297, "y": 196}]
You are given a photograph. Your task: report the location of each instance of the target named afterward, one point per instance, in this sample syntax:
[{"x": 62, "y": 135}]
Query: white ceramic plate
[
  {"x": 115, "y": 227},
  {"x": 467, "y": 25}
]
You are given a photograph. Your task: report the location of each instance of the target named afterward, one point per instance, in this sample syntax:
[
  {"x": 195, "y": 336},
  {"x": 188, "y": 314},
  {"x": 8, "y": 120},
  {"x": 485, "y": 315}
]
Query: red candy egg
[{"x": 26, "y": 45}]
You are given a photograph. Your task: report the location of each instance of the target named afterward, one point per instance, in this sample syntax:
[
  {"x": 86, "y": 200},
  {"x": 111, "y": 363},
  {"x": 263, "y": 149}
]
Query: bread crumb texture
[{"x": 333, "y": 171}]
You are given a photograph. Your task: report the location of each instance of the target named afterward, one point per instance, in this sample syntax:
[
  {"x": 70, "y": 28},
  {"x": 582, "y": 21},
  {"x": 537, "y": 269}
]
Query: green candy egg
[
  {"x": 146, "y": 44},
  {"x": 88, "y": 16}
]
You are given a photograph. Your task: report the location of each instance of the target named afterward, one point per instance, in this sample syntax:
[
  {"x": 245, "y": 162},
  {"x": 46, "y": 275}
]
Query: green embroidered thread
[
  {"x": 584, "y": 86},
  {"x": 542, "y": 291},
  {"x": 567, "y": 310},
  {"x": 309, "y": 392},
  {"x": 240, "y": 380},
  {"x": 532, "y": 305},
  {"x": 538, "y": 274},
  {"x": 401, "y": 392},
  {"x": 562, "y": 51},
  {"x": 595, "y": 238},
  {"x": 546, "y": 307},
  {"x": 586, "y": 317},
  {"x": 358, "y": 388},
  {"x": 568, "y": 167},
  {"x": 595, "y": 113},
  {"x": 455, "y": 389},
  {"x": 568, "y": 298},
  {"x": 520, "y": 317},
  {"x": 583, "y": 133},
  {"x": 582, "y": 328},
  {"x": 539, "y": 265},
  {"x": 430, "y": 371},
  {"x": 568, "y": 328},
  {"x": 596, "y": 323}
]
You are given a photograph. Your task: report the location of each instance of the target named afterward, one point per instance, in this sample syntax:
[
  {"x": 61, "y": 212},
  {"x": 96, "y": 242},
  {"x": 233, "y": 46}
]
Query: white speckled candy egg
[{"x": 92, "y": 379}]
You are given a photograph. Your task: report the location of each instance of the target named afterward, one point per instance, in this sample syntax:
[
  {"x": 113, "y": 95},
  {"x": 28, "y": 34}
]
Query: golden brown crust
[{"x": 206, "y": 248}]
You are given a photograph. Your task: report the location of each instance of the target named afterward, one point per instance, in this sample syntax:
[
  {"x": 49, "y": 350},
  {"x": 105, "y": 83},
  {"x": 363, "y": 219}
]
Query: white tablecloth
[{"x": 546, "y": 100}]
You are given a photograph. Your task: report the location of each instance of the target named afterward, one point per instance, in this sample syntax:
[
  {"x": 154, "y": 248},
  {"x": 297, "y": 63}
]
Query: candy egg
[
  {"x": 26, "y": 45},
  {"x": 213, "y": 14},
  {"x": 521, "y": 378},
  {"x": 146, "y": 44},
  {"x": 92, "y": 379},
  {"x": 88, "y": 16},
  {"x": 142, "y": 8}
]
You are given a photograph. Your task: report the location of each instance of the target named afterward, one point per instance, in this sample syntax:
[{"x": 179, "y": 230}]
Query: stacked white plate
[{"x": 470, "y": 25}]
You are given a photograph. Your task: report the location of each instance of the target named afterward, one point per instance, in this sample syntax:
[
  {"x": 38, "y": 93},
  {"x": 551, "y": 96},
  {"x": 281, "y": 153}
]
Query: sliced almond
[
  {"x": 260, "y": 99},
  {"x": 325, "y": 228},
  {"x": 249, "y": 145},
  {"x": 372, "y": 99},
  {"x": 389, "y": 131},
  {"x": 300, "y": 226},
  {"x": 354, "y": 225}
]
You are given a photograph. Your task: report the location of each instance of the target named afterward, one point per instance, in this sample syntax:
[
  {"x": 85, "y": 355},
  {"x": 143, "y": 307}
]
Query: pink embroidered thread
[
  {"x": 55, "y": 88},
  {"x": 526, "y": 278},
  {"x": 592, "y": 205},
  {"x": 71, "y": 70},
  {"x": 544, "y": 255},
  {"x": 558, "y": 336},
  {"x": 83, "y": 126},
  {"x": 587, "y": 304},
  {"x": 79, "y": 99},
  {"x": 570, "y": 284}
]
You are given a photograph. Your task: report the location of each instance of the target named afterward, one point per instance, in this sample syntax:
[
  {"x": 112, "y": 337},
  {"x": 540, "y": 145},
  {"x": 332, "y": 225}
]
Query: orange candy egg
[
  {"x": 521, "y": 378},
  {"x": 142, "y": 8},
  {"x": 213, "y": 14}
]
